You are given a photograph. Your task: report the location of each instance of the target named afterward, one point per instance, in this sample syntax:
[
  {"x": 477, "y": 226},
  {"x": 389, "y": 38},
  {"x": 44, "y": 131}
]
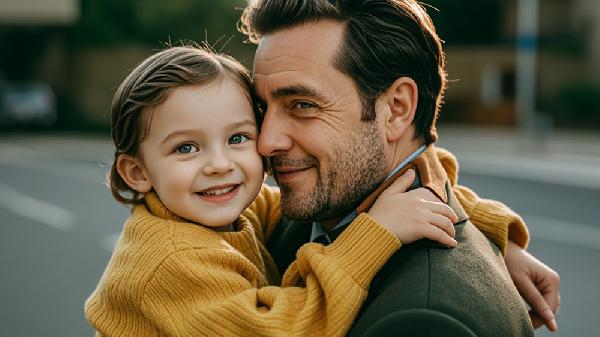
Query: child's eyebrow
[
  {"x": 242, "y": 123},
  {"x": 232, "y": 126},
  {"x": 177, "y": 133}
]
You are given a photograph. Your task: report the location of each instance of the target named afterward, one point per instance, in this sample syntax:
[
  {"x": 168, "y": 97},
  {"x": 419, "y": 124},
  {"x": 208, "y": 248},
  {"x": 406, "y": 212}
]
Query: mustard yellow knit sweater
[{"x": 170, "y": 277}]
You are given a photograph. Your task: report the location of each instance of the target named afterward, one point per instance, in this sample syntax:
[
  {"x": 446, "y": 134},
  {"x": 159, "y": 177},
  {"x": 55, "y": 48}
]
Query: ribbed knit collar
[
  {"x": 156, "y": 207},
  {"x": 243, "y": 239}
]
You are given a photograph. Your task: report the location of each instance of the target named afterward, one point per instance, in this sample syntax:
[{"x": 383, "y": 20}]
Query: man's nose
[
  {"x": 274, "y": 135},
  {"x": 218, "y": 162}
]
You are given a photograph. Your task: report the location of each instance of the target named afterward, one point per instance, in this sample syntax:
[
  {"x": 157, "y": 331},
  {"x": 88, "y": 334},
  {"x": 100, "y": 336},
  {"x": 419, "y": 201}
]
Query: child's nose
[{"x": 218, "y": 163}]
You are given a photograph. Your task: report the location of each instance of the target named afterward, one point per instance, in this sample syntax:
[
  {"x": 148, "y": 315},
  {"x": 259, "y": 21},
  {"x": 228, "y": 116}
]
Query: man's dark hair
[{"x": 383, "y": 40}]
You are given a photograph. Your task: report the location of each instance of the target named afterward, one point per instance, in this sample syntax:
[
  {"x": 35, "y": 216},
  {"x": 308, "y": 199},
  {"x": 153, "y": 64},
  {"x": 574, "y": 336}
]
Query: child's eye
[
  {"x": 238, "y": 139},
  {"x": 186, "y": 148}
]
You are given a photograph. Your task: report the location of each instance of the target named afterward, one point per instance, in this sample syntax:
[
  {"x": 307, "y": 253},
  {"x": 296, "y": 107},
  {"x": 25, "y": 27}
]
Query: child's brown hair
[{"x": 149, "y": 85}]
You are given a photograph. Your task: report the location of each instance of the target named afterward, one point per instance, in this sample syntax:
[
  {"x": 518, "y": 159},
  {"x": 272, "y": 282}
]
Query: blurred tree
[
  {"x": 103, "y": 22},
  {"x": 575, "y": 105},
  {"x": 24, "y": 48},
  {"x": 153, "y": 22},
  {"x": 468, "y": 22}
]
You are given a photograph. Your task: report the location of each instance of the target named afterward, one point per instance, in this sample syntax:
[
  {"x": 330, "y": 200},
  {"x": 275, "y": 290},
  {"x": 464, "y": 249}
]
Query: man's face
[{"x": 324, "y": 158}]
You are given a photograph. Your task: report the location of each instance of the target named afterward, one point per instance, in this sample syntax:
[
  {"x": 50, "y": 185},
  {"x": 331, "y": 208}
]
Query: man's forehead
[
  {"x": 310, "y": 42},
  {"x": 300, "y": 53}
]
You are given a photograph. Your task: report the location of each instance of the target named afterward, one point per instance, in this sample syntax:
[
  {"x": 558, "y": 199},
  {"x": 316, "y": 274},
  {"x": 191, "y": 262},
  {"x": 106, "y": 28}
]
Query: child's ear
[
  {"x": 133, "y": 173},
  {"x": 401, "y": 99}
]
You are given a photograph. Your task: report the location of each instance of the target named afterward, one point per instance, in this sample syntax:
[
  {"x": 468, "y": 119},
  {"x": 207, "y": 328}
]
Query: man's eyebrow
[{"x": 297, "y": 90}]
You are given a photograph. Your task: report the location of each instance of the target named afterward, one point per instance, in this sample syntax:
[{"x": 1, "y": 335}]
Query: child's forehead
[{"x": 210, "y": 107}]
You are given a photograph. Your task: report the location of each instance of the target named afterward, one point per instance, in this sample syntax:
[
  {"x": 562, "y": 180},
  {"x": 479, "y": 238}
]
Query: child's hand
[{"x": 414, "y": 215}]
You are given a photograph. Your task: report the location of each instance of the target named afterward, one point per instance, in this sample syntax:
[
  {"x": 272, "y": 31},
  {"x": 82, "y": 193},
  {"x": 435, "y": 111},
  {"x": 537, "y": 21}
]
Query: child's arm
[
  {"x": 219, "y": 292},
  {"x": 494, "y": 219}
]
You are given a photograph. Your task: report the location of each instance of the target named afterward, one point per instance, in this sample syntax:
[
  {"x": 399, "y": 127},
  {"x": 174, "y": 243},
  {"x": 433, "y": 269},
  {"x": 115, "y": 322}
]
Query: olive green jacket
[
  {"x": 429, "y": 290},
  {"x": 426, "y": 289}
]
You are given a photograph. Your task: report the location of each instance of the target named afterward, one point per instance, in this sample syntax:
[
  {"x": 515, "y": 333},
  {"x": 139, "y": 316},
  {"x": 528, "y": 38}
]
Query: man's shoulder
[{"x": 467, "y": 285}]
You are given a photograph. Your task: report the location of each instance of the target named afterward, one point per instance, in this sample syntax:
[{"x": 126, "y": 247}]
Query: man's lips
[
  {"x": 286, "y": 174},
  {"x": 285, "y": 169}
]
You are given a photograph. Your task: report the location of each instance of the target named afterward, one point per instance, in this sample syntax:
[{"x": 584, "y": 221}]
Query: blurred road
[{"x": 59, "y": 222}]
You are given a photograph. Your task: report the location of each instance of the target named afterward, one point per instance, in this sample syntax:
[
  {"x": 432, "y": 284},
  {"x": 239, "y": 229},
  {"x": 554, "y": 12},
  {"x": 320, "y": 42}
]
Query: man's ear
[
  {"x": 401, "y": 99},
  {"x": 133, "y": 173}
]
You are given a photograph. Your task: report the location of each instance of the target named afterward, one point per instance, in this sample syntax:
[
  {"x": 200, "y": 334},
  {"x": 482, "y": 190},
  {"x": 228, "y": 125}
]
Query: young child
[{"x": 191, "y": 259}]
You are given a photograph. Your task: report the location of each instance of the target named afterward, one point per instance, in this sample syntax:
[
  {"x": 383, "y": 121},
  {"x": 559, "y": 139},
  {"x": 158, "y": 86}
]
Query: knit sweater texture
[{"x": 170, "y": 277}]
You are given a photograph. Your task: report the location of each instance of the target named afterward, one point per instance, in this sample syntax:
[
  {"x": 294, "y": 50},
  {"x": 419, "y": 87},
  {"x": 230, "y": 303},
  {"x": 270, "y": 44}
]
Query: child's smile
[{"x": 219, "y": 194}]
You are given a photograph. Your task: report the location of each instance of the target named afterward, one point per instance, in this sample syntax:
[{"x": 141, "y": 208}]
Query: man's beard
[{"x": 357, "y": 168}]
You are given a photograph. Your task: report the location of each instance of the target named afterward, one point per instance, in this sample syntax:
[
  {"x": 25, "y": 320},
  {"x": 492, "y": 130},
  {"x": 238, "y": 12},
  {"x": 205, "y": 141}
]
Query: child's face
[{"x": 200, "y": 153}]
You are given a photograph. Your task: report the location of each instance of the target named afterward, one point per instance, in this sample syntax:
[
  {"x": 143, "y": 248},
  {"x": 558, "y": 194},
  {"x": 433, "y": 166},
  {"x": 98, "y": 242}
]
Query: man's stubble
[{"x": 357, "y": 168}]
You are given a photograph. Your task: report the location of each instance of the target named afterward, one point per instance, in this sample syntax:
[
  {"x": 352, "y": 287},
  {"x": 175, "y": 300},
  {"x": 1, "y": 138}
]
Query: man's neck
[{"x": 400, "y": 151}]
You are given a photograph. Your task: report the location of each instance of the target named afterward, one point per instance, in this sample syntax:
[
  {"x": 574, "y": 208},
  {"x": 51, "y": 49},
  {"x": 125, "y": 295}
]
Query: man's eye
[
  {"x": 303, "y": 105},
  {"x": 238, "y": 139},
  {"x": 186, "y": 148}
]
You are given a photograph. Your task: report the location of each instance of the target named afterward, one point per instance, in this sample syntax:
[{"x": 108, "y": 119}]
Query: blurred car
[{"x": 31, "y": 103}]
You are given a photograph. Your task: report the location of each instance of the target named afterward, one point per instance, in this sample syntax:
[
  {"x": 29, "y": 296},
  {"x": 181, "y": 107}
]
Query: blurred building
[
  {"x": 32, "y": 64},
  {"x": 38, "y": 12},
  {"x": 568, "y": 71},
  {"x": 83, "y": 50}
]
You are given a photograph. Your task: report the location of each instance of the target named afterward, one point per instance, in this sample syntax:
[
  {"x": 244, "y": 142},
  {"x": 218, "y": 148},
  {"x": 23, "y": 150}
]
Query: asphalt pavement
[
  {"x": 59, "y": 222},
  {"x": 552, "y": 180}
]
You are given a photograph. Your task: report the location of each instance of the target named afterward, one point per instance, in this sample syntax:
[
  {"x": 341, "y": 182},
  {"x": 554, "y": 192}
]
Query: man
[{"x": 352, "y": 90}]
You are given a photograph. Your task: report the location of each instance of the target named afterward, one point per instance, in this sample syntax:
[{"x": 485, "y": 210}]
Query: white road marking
[
  {"x": 531, "y": 169},
  {"x": 562, "y": 231},
  {"x": 23, "y": 157},
  {"x": 35, "y": 209}
]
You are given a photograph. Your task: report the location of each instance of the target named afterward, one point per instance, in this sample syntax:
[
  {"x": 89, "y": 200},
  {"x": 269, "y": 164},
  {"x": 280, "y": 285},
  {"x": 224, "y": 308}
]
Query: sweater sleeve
[
  {"x": 216, "y": 292},
  {"x": 494, "y": 219}
]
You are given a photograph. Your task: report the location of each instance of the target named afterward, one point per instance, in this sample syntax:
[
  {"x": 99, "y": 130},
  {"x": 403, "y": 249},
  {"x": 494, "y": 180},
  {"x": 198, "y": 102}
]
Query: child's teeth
[{"x": 219, "y": 191}]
